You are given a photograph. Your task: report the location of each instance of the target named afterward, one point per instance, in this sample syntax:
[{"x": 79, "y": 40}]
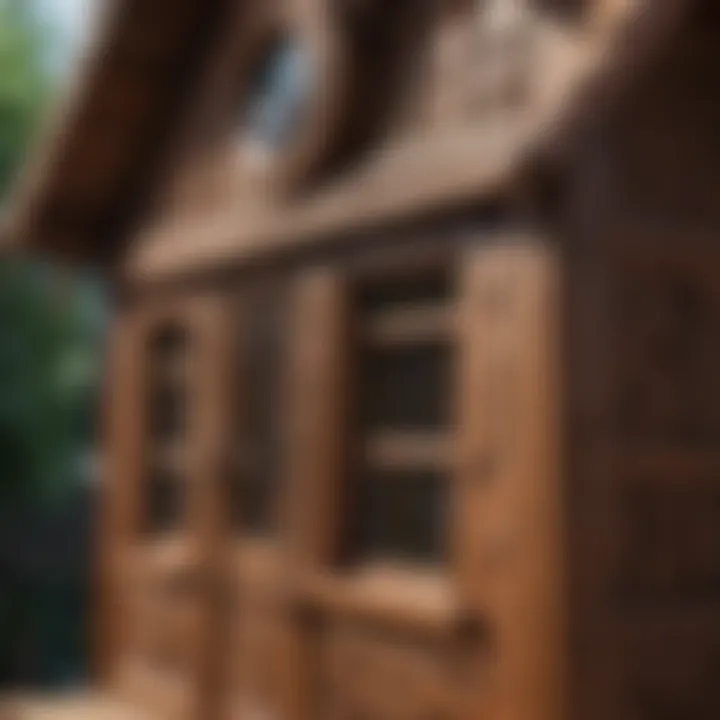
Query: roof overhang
[
  {"x": 90, "y": 178},
  {"x": 92, "y": 168}
]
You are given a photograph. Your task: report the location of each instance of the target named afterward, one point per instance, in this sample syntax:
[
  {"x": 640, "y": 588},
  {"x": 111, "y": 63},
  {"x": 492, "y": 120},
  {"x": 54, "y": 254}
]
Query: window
[
  {"x": 165, "y": 474},
  {"x": 401, "y": 515},
  {"x": 255, "y": 479},
  {"x": 165, "y": 502},
  {"x": 399, "y": 469},
  {"x": 279, "y": 97}
]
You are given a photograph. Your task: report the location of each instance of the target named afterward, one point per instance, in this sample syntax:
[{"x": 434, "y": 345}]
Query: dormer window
[
  {"x": 294, "y": 99},
  {"x": 279, "y": 99}
]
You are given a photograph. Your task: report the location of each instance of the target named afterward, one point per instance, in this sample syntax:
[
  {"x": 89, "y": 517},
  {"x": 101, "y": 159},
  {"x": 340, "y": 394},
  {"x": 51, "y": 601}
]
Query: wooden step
[{"x": 69, "y": 707}]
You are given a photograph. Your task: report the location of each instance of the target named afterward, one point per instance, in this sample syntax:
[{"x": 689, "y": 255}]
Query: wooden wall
[
  {"x": 471, "y": 85},
  {"x": 644, "y": 402},
  {"x": 303, "y": 623}
]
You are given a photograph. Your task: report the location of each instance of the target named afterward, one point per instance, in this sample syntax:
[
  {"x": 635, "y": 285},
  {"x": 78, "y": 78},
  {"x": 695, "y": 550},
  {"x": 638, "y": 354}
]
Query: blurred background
[{"x": 52, "y": 328}]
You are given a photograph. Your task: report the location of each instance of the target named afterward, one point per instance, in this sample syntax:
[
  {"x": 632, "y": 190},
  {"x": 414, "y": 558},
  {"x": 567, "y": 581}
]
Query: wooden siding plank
[
  {"x": 509, "y": 493},
  {"x": 122, "y": 440}
]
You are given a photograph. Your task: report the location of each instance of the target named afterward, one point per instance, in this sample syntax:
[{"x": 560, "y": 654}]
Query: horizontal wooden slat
[
  {"x": 253, "y": 563},
  {"x": 168, "y": 554},
  {"x": 392, "y": 450},
  {"x": 697, "y": 620},
  {"x": 418, "y": 600},
  {"x": 411, "y": 324},
  {"x": 376, "y": 193},
  {"x": 74, "y": 706},
  {"x": 671, "y": 466}
]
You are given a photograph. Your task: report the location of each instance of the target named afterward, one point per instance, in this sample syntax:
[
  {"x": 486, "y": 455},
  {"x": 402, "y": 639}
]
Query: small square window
[
  {"x": 401, "y": 515},
  {"x": 406, "y": 387}
]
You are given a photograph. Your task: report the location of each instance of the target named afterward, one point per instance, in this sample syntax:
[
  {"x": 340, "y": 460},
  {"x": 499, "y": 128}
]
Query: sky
[
  {"x": 74, "y": 19},
  {"x": 71, "y": 15}
]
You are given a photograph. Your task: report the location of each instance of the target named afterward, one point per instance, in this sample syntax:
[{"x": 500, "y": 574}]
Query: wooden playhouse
[{"x": 413, "y": 405}]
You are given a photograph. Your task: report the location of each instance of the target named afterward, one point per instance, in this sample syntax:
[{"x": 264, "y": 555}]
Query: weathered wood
[
  {"x": 321, "y": 377},
  {"x": 509, "y": 494},
  {"x": 504, "y": 235},
  {"x": 71, "y": 707},
  {"x": 395, "y": 597},
  {"x": 380, "y": 194},
  {"x": 123, "y": 447},
  {"x": 165, "y": 619}
]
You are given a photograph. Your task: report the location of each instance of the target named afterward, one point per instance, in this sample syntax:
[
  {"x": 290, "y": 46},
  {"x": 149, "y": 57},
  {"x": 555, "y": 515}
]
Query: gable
[
  {"x": 417, "y": 104},
  {"x": 450, "y": 80}
]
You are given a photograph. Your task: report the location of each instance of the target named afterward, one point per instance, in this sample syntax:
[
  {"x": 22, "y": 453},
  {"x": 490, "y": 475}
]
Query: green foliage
[
  {"x": 48, "y": 375},
  {"x": 24, "y": 83},
  {"x": 51, "y": 327},
  {"x": 49, "y": 332}
]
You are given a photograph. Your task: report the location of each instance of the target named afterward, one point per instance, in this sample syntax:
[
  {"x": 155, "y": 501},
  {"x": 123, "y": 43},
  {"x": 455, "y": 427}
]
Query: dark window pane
[
  {"x": 167, "y": 385},
  {"x": 168, "y": 343},
  {"x": 256, "y": 477},
  {"x": 401, "y": 515},
  {"x": 164, "y": 492},
  {"x": 279, "y": 95},
  {"x": 252, "y": 505},
  {"x": 406, "y": 387},
  {"x": 168, "y": 413},
  {"x": 414, "y": 289},
  {"x": 164, "y": 503}
]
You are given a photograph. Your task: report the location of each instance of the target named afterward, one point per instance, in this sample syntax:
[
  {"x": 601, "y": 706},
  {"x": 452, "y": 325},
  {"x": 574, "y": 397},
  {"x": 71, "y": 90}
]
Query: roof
[
  {"x": 94, "y": 164},
  {"x": 92, "y": 174}
]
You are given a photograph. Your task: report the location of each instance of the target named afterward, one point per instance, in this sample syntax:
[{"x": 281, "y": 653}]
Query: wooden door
[
  {"x": 165, "y": 447},
  {"x": 253, "y": 564},
  {"x": 397, "y": 551}
]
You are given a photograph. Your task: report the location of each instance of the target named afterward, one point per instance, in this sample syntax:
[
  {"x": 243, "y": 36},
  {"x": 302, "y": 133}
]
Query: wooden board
[{"x": 69, "y": 707}]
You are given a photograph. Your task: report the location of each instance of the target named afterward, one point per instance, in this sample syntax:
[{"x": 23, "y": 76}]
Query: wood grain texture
[
  {"x": 509, "y": 526},
  {"x": 90, "y": 706},
  {"x": 580, "y": 453},
  {"x": 321, "y": 377},
  {"x": 160, "y": 595},
  {"x": 120, "y": 410}
]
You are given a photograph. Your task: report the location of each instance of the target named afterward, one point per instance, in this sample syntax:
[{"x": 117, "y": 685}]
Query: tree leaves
[
  {"x": 49, "y": 333},
  {"x": 24, "y": 84}
]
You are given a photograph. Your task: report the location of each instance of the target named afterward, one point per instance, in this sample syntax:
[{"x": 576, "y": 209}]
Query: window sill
[{"x": 417, "y": 599}]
